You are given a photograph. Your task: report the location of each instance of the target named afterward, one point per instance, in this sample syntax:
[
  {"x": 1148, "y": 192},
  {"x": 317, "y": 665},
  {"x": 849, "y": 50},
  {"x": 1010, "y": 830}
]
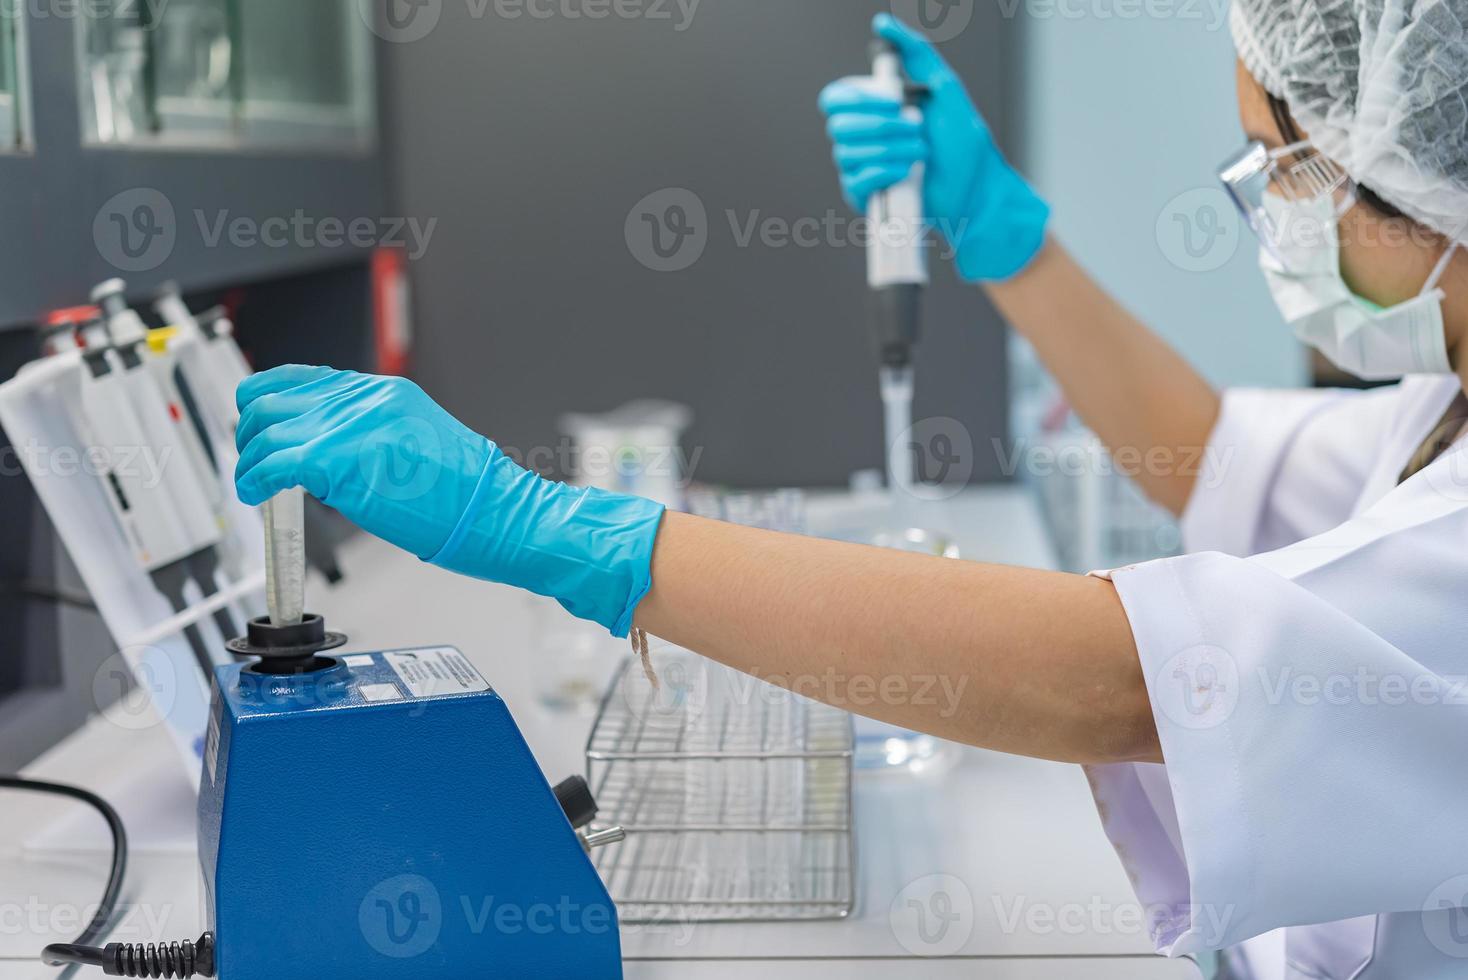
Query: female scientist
[{"x": 1276, "y": 724}]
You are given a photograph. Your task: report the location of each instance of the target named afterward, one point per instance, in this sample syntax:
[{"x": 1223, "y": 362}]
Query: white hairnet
[{"x": 1381, "y": 88}]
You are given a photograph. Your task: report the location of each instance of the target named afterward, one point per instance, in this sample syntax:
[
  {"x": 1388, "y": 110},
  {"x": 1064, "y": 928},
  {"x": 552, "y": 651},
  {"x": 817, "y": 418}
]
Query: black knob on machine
[{"x": 575, "y": 798}]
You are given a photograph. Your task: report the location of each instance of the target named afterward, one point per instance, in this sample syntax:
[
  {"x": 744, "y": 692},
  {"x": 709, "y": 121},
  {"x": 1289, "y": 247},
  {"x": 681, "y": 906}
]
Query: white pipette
[
  {"x": 897, "y": 273},
  {"x": 285, "y": 557}
]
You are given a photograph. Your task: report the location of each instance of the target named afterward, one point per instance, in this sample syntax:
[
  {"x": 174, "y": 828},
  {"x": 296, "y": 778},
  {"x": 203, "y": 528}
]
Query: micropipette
[
  {"x": 897, "y": 271},
  {"x": 193, "y": 488},
  {"x": 106, "y": 421},
  {"x": 285, "y": 557}
]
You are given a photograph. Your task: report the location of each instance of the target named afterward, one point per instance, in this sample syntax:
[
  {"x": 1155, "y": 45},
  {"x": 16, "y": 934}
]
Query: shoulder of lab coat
[
  {"x": 1309, "y": 703},
  {"x": 1283, "y": 465}
]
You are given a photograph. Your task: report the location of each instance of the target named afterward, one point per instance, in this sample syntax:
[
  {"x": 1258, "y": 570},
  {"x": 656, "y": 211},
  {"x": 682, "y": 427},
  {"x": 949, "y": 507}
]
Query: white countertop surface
[{"x": 1030, "y": 887}]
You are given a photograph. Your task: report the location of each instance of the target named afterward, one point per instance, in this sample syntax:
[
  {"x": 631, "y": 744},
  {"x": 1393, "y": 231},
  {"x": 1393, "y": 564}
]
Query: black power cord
[{"x": 180, "y": 960}]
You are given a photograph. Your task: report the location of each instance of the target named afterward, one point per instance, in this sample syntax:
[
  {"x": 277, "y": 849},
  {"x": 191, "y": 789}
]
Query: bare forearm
[
  {"x": 1028, "y": 662},
  {"x": 1138, "y": 394}
]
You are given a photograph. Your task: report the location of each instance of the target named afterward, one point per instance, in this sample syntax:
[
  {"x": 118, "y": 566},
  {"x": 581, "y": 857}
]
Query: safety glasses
[{"x": 1296, "y": 173}]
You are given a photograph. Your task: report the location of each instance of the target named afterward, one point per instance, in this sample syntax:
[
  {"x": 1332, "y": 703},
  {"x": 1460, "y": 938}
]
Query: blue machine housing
[{"x": 385, "y": 818}]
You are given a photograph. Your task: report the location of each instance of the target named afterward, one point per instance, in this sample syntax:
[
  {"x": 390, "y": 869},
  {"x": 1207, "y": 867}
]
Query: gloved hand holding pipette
[
  {"x": 994, "y": 221},
  {"x": 393, "y": 462}
]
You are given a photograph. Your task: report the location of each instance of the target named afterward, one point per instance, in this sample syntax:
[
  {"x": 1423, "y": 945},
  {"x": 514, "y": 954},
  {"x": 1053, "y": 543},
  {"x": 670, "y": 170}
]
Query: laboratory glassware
[
  {"x": 1098, "y": 517},
  {"x": 573, "y": 658},
  {"x": 879, "y": 745},
  {"x": 285, "y": 557},
  {"x": 635, "y": 449},
  {"x": 779, "y": 510}
]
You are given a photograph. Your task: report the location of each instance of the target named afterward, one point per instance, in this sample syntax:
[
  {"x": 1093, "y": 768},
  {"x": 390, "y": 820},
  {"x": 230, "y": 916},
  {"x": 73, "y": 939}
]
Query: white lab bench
[{"x": 1029, "y": 886}]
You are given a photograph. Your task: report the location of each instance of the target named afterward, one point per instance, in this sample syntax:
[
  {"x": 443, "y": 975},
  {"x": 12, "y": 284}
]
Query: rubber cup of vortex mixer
[{"x": 287, "y": 649}]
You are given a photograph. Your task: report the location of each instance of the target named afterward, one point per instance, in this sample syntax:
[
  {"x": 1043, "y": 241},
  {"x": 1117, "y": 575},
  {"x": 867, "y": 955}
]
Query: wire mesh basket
[{"x": 735, "y": 796}]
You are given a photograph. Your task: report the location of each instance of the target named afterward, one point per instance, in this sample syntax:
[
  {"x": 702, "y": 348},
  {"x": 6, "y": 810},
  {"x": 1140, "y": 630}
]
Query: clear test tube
[{"x": 285, "y": 557}]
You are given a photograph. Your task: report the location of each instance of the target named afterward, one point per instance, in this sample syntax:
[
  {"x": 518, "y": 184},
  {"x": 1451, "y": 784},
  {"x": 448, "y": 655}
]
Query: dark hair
[{"x": 1280, "y": 109}]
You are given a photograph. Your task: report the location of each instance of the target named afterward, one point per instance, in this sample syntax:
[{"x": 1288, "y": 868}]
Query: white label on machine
[
  {"x": 380, "y": 692},
  {"x": 211, "y": 739},
  {"x": 436, "y": 673}
]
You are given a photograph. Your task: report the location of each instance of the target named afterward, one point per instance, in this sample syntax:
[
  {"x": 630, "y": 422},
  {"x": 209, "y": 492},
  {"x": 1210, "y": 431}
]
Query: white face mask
[{"x": 1373, "y": 343}]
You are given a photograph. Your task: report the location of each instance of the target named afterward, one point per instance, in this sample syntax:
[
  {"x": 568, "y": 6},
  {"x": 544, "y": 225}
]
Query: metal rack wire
[{"x": 735, "y": 795}]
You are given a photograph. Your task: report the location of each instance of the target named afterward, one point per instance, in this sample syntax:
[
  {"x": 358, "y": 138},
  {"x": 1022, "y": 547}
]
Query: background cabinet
[
  {"x": 213, "y": 134},
  {"x": 126, "y": 148},
  {"x": 226, "y": 72}
]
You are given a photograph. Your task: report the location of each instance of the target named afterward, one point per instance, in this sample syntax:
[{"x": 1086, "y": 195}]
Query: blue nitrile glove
[
  {"x": 393, "y": 462},
  {"x": 994, "y": 221}
]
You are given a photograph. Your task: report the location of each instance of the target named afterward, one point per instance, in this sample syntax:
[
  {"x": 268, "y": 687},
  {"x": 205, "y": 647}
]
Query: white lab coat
[{"x": 1312, "y": 700}]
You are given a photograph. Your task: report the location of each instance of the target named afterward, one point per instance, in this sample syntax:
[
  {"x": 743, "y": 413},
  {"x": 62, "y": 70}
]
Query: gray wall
[{"x": 531, "y": 139}]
